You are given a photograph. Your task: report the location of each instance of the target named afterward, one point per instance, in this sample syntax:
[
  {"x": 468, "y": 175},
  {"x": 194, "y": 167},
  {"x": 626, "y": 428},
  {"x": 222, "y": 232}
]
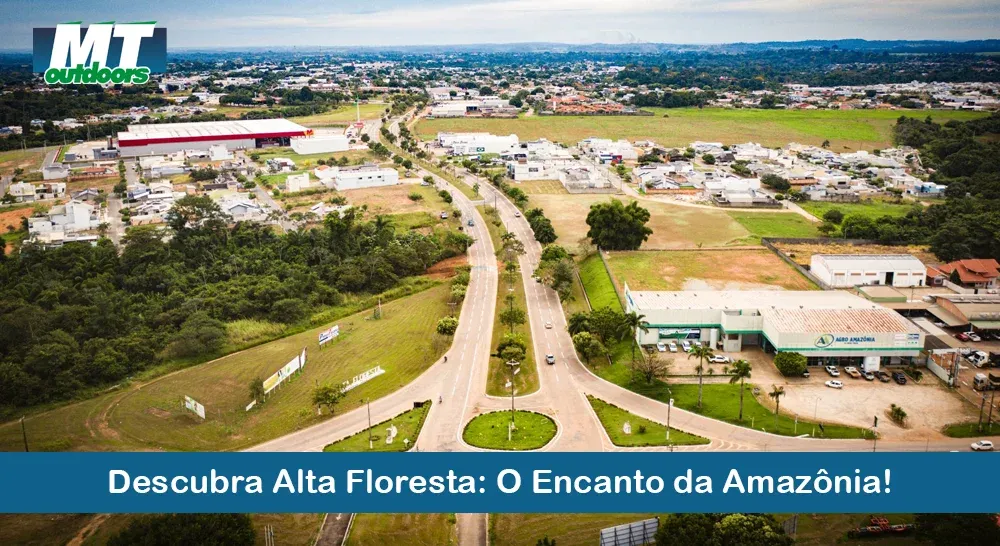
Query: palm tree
[
  {"x": 740, "y": 371},
  {"x": 635, "y": 322},
  {"x": 578, "y": 322},
  {"x": 776, "y": 393},
  {"x": 701, "y": 352}
]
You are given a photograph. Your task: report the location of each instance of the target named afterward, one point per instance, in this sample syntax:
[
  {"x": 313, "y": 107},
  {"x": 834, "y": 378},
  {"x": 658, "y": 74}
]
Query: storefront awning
[
  {"x": 986, "y": 324},
  {"x": 945, "y": 316}
]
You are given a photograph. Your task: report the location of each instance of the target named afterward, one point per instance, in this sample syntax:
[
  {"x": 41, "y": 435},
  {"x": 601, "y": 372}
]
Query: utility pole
[
  {"x": 24, "y": 435},
  {"x": 369, "y": 423},
  {"x": 513, "y": 364},
  {"x": 989, "y": 420},
  {"x": 875, "y": 431},
  {"x": 981, "y": 406},
  {"x": 670, "y": 405}
]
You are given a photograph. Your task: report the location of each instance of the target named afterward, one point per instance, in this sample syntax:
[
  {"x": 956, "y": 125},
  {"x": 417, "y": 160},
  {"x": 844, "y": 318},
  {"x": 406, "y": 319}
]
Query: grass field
[
  {"x": 151, "y": 417},
  {"x": 403, "y": 529},
  {"x": 674, "y": 226},
  {"x": 408, "y": 425},
  {"x": 30, "y": 160},
  {"x": 489, "y": 431},
  {"x": 598, "y": 284},
  {"x": 704, "y": 270},
  {"x": 777, "y": 224},
  {"x": 343, "y": 115},
  {"x": 309, "y": 161},
  {"x": 566, "y": 529},
  {"x": 846, "y": 130},
  {"x": 645, "y": 433},
  {"x": 873, "y": 208},
  {"x": 526, "y": 381},
  {"x": 969, "y": 430},
  {"x": 537, "y": 187}
]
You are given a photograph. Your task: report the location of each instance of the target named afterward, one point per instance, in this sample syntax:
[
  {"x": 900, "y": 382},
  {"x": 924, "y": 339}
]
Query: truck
[{"x": 984, "y": 382}]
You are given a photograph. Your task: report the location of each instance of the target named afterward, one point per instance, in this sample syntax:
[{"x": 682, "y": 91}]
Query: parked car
[
  {"x": 719, "y": 359},
  {"x": 899, "y": 377},
  {"x": 672, "y": 346},
  {"x": 661, "y": 347},
  {"x": 686, "y": 345},
  {"x": 833, "y": 371},
  {"x": 974, "y": 337},
  {"x": 853, "y": 372},
  {"x": 883, "y": 377},
  {"x": 550, "y": 359},
  {"x": 805, "y": 373},
  {"x": 982, "y": 445},
  {"x": 868, "y": 376},
  {"x": 962, "y": 336},
  {"x": 834, "y": 384},
  {"x": 444, "y": 215}
]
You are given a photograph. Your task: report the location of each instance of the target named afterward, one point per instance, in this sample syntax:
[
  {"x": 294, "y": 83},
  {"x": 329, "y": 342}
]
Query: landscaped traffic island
[{"x": 490, "y": 431}]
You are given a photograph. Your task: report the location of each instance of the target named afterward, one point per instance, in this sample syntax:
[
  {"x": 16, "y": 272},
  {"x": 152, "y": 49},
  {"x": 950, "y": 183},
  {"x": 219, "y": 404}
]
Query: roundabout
[{"x": 492, "y": 431}]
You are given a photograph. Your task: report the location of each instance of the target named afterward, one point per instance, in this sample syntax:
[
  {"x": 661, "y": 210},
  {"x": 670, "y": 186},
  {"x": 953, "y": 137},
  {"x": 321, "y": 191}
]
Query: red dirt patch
[{"x": 446, "y": 268}]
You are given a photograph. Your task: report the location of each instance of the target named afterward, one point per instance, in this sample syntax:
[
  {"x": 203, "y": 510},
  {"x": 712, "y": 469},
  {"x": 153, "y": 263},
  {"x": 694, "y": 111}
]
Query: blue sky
[{"x": 241, "y": 23}]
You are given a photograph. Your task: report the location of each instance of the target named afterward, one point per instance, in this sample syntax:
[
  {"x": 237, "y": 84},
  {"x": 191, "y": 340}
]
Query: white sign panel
[
  {"x": 192, "y": 405},
  {"x": 285, "y": 372},
  {"x": 362, "y": 378},
  {"x": 327, "y": 335}
]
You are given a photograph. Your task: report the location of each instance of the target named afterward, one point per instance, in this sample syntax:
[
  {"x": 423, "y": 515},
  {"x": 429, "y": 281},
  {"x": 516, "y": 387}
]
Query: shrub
[
  {"x": 790, "y": 364},
  {"x": 897, "y": 414},
  {"x": 414, "y": 196}
]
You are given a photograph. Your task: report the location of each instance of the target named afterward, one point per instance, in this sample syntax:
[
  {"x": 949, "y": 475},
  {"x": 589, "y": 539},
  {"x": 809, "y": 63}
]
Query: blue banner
[{"x": 495, "y": 482}]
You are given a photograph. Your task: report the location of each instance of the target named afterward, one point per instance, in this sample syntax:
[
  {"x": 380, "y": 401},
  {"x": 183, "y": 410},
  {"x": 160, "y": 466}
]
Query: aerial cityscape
[{"x": 474, "y": 236}]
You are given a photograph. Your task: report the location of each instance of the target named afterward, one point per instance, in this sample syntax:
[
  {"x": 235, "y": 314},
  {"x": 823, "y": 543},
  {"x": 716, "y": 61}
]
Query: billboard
[
  {"x": 362, "y": 378},
  {"x": 285, "y": 372},
  {"x": 631, "y": 534},
  {"x": 193, "y": 406},
  {"x": 327, "y": 335}
]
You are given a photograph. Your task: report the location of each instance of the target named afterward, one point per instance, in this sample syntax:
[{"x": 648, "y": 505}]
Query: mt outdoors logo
[{"x": 69, "y": 54}]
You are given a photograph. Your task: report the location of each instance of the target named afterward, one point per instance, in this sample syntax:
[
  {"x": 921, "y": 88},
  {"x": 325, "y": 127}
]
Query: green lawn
[
  {"x": 778, "y": 224},
  {"x": 969, "y": 430},
  {"x": 846, "y": 130},
  {"x": 308, "y": 161},
  {"x": 644, "y": 432},
  {"x": 598, "y": 284},
  {"x": 489, "y": 431},
  {"x": 403, "y": 529},
  {"x": 565, "y": 529},
  {"x": 408, "y": 425},
  {"x": 30, "y": 160},
  {"x": 874, "y": 208},
  {"x": 705, "y": 269},
  {"x": 526, "y": 381},
  {"x": 342, "y": 115},
  {"x": 151, "y": 417}
]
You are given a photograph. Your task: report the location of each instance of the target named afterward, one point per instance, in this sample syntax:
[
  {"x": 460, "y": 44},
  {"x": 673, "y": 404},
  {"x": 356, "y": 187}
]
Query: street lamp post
[
  {"x": 815, "y": 413},
  {"x": 670, "y": 405},
  {"x": 512, "y": 364},
  {"x": 369, "y": 403}
]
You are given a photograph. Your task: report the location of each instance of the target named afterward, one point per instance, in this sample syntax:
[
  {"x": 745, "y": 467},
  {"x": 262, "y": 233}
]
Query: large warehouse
[
  {"x": 828, "y": 327},
  {"x": 848, "y": 270},
  {"x": 166, "y": 138}
]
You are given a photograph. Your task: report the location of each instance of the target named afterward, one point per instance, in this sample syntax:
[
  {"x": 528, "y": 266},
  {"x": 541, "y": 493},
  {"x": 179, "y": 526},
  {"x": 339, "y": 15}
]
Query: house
[
  {"x": 55, "y": 171},
  {"x": 972, "y": 274},
  {"x": 74, "y": 216},
  {"x": 605, "y": 150},
  {"x": 280, "y": 165},
  {"x": 218, "y": 152},
  {"x": 297, "y": 182},
  {"x": 241, "y": 209},
  {"x": 364, "y": 176},
  {"x": 24, "y": 192},
  {"x": 88, "y": 194}
]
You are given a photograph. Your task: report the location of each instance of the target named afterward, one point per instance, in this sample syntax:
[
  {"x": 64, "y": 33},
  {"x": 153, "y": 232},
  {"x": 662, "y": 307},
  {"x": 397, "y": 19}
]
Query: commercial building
[
  {"x": 320, "y": 144},
  {"x": 975, "y": 275},
  {"x": 476, "y": 143},
  {"x": 978, "y": 311},
  {"x": 165, "y": 138},
  {"x": 849, "y": 270},
  {"x": 828, "y": 327},
  {"x": 362, "y": 176}
]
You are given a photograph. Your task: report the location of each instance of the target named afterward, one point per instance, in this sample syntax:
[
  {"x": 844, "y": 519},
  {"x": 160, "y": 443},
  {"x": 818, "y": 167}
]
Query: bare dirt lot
[
  {"x": 802, "y": 253},
  {"x": 742, "y": 269}
]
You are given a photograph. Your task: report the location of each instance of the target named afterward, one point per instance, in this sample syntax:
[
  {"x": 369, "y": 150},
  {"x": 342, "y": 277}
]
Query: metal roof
[
  {"x": 203, "y": 129},
  {"x": 750, "y": 299},
  {"x": 881, "y": 262}
]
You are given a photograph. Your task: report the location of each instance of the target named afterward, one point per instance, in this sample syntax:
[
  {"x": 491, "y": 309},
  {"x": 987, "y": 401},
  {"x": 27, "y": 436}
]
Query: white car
[
  {"x": 982, "y": 445},
  {"x": 719, "y": 359},
  {"x": 550, "y": 359},
  {"x": 661, "y": 347},
  {"x": 833, "y": 371},
  {"x": 672, "y": 346},
  {"x": 686, "y": 345},
  {"x": 517, "y": 214},
  {"x": 974, "y": 337},
  {"x": 834, "y": 384},
  {"x": 548, "y": 325}
]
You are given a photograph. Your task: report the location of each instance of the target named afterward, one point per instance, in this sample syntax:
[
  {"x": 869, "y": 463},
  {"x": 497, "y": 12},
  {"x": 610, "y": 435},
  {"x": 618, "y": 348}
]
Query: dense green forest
[
  {"x": 81, "y": 316},
  {"x": 966, "y": 158}
]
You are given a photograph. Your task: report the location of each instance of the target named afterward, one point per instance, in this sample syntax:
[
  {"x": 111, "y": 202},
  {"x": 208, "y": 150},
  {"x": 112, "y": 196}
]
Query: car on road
[
  {"x": 834, "y": 384},
  {"x": 898, "y": 377},
  {"x": 517, "y": 214},
  {"x": 883, "y": 377},
  {"x": 833, "y": 371},
  {"x": 962, "y": 336},
  {"x": 661, "y": 347},
  {"x": 548, "y": 325},
  {"x": 686, "y": 345},
  {"x": 471, "y": 223},
  {"x": 719, "y": 359},
  {"x": 982, "y": 445},
  {"x": 550, "y": 359},
  {"x": 672, "y": 346},
  {"x": 868, "y": 376},
  {"x": 852, "y": 371}
]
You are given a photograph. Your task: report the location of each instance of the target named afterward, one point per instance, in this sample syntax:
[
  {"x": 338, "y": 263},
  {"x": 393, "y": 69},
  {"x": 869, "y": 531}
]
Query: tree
[
  {"x": 739, "y": 372},
  {"x": 475, "y": 188},
  {"x": 176, "y": 529},
  {"x": 702, "y": 353},
  {"x": 288, "y": 311},
  {"x": 859, "y": 226},
  {"x": 648, "y": 368},
  {"x": 257, "y": 389},
  {"x": 511, "y": 317},
  {"x": 328, "y": 395},
  {"x": 776, "y": 394},
  {"x": 834, "y": 216},
  {"x": 199, "y": 334},
  {"x": 897, "y": 414},
  {"x": 578, "y": 322},
  {"x": 709, "y": 159},
  {"x": 756, "y": 529},
  {"x": 686, "y": 529},
  {"x": 826, "y": 228},
  {"x": 447, "y": 326},
  {"x": 614, "y": 226},
  {"x": 588, "y": 346},
  {"x": 775, "y": 182},
  {"x": 790, "y": 364},
  {"x": 635, "y": 322},
  {"x": 957, "y": 529}
]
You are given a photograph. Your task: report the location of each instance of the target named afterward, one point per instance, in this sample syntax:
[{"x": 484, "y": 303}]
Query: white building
[
  {"x": 74, "y": 216},
  {"x": 606, "y": 150},
  {"x": 320, "y": 144},
  {"x": 25, "y": 192},
  {"x": 164, "y": 138},
  {"x": 827, "y": 326},
  {"x": 55, "y": 171},
  {"x": 219, "y": 152},
  {"x": 476, "y": 143},
  {"x": 364, "y": 176},
  {"x": 848, "y": 270},
  {"x": 297, "y": 182}
]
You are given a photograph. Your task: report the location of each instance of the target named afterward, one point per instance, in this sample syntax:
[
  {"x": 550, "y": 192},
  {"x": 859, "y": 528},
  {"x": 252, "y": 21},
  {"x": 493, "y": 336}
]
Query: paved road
[{"x": 334, "y": 530}]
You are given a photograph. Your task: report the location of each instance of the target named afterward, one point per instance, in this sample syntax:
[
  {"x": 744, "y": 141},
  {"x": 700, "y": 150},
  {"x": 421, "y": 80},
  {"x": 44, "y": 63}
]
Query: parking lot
[{"x": 929, "y": 404}]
